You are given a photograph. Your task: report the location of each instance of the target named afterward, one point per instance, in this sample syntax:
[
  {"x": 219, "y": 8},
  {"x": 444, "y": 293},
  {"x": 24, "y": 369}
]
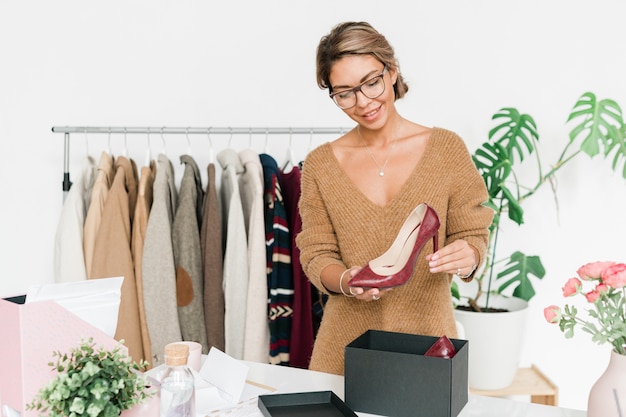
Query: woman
[{"x": 358, "y": 191}]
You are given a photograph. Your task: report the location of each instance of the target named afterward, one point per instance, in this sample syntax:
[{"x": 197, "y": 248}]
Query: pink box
[{"x": 29, "y": 333}]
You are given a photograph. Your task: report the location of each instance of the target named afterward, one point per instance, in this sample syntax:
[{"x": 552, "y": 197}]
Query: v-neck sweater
[{"x": 341, "y": 226}]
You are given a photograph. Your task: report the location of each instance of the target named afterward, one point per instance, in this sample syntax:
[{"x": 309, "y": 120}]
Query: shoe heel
[{"x": 435, "y": 242}]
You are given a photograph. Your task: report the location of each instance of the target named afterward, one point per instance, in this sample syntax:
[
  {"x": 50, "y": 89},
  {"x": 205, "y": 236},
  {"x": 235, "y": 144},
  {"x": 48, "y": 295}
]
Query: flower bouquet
[{"x": 603, "y": 284}]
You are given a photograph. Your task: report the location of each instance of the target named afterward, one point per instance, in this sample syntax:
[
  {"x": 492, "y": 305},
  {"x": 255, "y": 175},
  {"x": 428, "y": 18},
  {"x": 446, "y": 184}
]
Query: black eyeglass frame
[{"x": 358, "y": 88}]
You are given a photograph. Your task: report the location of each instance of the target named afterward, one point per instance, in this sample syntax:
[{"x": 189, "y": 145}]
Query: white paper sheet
[
  {"x": 95, "y": 301},
  {"x": 226, "y": 373}
]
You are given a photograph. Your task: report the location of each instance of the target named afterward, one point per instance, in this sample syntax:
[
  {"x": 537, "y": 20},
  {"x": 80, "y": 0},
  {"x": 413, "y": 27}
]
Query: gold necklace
[{"x": 381, "y": 169}]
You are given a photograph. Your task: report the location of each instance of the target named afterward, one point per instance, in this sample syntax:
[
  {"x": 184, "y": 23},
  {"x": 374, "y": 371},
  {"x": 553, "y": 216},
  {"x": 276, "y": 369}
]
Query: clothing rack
[{"x": 67, "y": 130}]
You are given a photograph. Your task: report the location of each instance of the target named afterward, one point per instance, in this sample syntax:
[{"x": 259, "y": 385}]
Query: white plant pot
[{"x": 495, "y": 342}]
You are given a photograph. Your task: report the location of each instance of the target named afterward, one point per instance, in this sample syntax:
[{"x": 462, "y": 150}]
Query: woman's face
[{"x": 354, "y": 70}]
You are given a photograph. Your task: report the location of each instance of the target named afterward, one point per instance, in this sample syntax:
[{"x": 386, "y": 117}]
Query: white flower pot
[{"x": 495, "y": 342}]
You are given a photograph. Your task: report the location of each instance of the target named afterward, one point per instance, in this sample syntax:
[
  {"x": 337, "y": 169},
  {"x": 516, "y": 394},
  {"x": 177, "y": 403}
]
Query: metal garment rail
[{"x": 67, "y": 130}]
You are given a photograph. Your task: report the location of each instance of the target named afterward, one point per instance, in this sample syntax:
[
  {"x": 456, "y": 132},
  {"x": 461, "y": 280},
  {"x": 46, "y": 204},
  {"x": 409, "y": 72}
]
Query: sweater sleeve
[
  {"x": 468, "y": 218},
  {"x": 317, "y": 241}
]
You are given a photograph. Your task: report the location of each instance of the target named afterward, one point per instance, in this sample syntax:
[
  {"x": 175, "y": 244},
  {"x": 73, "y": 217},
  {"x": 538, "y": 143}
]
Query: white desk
[{"x": 287, "y": 380}]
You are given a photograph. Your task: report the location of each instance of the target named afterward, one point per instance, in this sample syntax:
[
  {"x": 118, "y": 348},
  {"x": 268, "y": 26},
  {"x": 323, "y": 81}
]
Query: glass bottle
[{"x": 177, "y": 387}]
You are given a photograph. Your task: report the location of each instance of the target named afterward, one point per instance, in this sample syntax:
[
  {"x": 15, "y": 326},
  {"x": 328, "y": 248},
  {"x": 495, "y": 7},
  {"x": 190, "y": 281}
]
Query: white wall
[{"x": 251, "y": 63}]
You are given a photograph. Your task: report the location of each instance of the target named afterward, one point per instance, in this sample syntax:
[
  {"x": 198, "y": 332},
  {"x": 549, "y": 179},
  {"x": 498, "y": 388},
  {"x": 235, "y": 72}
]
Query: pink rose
[
  {"x": 592, "y": 296},
  {"x": 602, "y": 288},
  {"x": 552, "y": 314},
  {"x": 572, "y": 286},
  {"x": 593, "y": 270},
  {"x": 615, "y": 276}
]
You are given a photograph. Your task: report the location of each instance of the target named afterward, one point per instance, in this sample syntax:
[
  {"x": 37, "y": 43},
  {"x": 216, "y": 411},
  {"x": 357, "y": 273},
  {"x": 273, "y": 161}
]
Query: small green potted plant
[
  {"x": 92, "y": 381},
  {"x": 504, "y": 285}
]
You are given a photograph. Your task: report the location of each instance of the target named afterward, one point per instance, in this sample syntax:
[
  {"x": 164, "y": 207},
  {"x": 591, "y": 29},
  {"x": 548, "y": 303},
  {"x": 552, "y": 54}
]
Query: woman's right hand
[{"x": 365, "y": 294}]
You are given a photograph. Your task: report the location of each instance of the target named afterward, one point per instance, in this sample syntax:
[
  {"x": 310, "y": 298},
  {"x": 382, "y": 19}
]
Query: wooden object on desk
[{"x": 528, "y": 381}]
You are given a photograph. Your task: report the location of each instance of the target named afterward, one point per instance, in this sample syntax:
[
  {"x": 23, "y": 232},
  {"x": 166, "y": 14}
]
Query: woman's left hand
[{"x": 459, "y": 257}]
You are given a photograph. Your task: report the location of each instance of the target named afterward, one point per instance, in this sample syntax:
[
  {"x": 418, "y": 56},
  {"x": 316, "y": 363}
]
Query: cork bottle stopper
[{"x": 176, "y": 354}]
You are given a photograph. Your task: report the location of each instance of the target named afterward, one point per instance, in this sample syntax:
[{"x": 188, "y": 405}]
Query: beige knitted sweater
[{"x": 342, "y": 226}]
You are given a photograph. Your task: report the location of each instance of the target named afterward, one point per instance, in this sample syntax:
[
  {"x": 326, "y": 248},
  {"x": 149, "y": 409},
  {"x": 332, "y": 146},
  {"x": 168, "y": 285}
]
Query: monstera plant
[{"x": 598, "y": 128}]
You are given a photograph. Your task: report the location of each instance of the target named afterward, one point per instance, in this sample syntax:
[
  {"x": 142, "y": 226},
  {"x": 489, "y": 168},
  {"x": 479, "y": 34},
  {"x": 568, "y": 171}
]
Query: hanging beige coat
[
  {"x": 140, "y": 224},
  {"x": 99, "y": 193},
  {"x": 158, "y": 273},
  {"x": 188, "y": 256},
  {"x": 112, "y": 254}
]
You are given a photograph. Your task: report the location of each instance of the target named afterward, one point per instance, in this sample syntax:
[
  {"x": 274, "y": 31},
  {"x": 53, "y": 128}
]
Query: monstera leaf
[
  {"x": 514, "y": 131},
  {"x": 599, "y": 126},
  {"x": 620, "y": 153},
  {"x": 513, "y": 206},
  {"x": 494, "y": 164},
  {"x": 518, "y": 271}
]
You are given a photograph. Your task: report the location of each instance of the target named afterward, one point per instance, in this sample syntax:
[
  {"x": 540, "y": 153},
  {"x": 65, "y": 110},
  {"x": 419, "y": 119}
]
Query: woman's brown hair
[{"x": 355, "y": 38}]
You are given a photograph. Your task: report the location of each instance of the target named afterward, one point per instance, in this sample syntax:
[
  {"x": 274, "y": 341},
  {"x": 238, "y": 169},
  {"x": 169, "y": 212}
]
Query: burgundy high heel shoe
[{"x": 395, "y": 266}]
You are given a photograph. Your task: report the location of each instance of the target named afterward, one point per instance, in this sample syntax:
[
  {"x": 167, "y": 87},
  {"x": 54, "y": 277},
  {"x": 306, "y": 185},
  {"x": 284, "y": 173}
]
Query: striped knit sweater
[
  {"x": 278, "y": 256},
  {"x": 342, "y": 226}
]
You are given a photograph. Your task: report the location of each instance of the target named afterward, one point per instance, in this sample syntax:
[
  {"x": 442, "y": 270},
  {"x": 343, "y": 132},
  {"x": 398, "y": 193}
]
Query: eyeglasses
[{"x": 371, "y": 88}]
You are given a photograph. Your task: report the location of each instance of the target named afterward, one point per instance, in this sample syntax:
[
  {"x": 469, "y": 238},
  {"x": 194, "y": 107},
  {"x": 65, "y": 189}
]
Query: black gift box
[
  {"x": 387, "y": 374},
  {"x": 305, "y": 404}
]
